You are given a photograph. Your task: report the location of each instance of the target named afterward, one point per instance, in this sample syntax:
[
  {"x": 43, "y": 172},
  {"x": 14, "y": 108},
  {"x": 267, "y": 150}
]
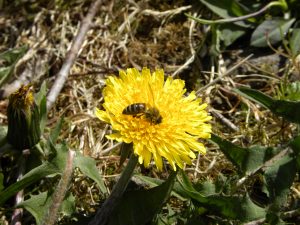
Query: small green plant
[
  {"x": 161, "y": 124},
  {"x": 238, "y": 19}
]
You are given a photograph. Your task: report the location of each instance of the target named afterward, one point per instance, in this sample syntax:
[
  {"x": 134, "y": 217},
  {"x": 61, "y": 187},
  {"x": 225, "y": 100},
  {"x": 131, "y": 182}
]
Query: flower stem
[
  {"x": 112, "y": 201},
  {"x": 51, "y": 215},
  {"x": 18, "y": 212}
]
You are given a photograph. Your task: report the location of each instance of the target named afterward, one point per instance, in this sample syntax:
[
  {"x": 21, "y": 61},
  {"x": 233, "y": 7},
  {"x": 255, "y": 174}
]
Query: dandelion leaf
[
  {"x": 279, "y": 177},
  {"x": 88, "y": 167},
  {"x": 230, "y": 207},
  {"x": 140, "y": 206},
  {"x": 289, "y": 110},
  {"x": 270, "y": 31},
  {"x": 38, "y": 205},
  {"x": 246, "y": 160},
  {"x": 55, "y": 166}
]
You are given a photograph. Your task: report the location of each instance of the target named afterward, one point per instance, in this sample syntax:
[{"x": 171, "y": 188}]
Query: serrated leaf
[
  {"x": 88, "y": 167},
  {"x": 206, "y": 188},
  {"x": 247, "y": 160},
  {"x": 230, "y": 207},
  {"x": 55, "y": 166},
  {"x": 272, "y": 31},
  {"x": 139, "y": 207},
  {"x": 289, "y": 110},
  {"x": 279, "y": 177},
  {"x": 37, "y": 205},
  {"x": 68, "y": 207},
  {"x": 295, "y": 42}
]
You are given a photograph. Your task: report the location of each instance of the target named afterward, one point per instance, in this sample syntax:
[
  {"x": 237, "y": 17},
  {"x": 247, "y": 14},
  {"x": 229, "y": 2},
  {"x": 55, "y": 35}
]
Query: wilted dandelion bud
[{"x": 23, "y": 119}]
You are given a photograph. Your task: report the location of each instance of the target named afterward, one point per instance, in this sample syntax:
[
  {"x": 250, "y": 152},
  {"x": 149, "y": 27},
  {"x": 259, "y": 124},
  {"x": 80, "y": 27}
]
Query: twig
[
  {"x": 256, "y": 222},
  {"x": 72, "y": 54},
  {"x": 184, "y": 66},
  {"x": 223, "y": 75},
  {"x": 167, "y": 12},
  {"x": 224, "y": 120},
  {"x": 107, "y": 150}
]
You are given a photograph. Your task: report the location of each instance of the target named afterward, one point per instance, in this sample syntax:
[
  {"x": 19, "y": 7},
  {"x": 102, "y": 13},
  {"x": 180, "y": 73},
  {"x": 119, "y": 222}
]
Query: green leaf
[
  {"x": 41, "y": 94},
  {"x": 247, "y": 160},
  {"x": 125, "y": 150},
  {"x": 200, "y": 220},
  {"x": 13, "y": 55},
  {"x": 294, "y": 42},
  {"x": 289, "y": 110},
  {"x": 256, "y": 96},
  {"x": 88, "y": 167},
  {"x": 279, "y": 177},
  {"x": 295, "y": 145},
  {"x": 3, "y": 133},
  {"x": 4, "y": 73},
  {"x": 273, "y": 30},
  {"x": 293, "y": 91},
  {"x": 68, "y": 207},
  {"x": 206, "y": 188},
  {"x": 230, "y": 32},
  {"x": 54, "y": 134},
  {"x": 226, "y": 9},
  {"x": 139, "y": 207},
  {"x": 37, "y": 205},
  {"x": 1, "y": 181},
  {"x": 230, "y": 207},
  {"x": 41, "y": 101},
  {"x": 153, "y": 182},
  {"x": 30, "y": 178},
  {"x": 55, "y": 166}
]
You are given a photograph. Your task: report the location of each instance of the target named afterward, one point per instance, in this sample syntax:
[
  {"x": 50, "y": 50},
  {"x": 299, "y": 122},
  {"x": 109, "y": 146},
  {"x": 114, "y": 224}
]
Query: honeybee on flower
[{"x": 155, "y": 116}]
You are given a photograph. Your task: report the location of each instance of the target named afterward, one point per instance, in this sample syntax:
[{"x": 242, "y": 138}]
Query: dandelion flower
[{"x": 175, "y": 136}]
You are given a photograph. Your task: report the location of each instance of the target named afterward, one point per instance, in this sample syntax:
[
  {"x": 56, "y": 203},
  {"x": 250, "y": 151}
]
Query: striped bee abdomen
[{"x": 134, "y": 109}]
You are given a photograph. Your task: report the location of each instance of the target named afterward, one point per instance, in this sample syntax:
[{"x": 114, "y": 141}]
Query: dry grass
[{"x": 134, "y": 34}]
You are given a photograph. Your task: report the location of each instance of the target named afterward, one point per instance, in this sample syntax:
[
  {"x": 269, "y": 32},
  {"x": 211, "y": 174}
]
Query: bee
[{"x": 151, "y": 114}]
